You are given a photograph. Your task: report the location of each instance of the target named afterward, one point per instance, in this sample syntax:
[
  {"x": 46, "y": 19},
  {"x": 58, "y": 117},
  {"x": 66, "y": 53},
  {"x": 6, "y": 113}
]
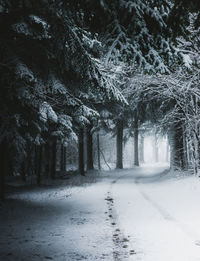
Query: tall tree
[
  {"x": 3, "y": 156},
  {"x": 39, "y": 158},
  {"x": 119, "y": 137},
  {"x": 141, "y": 148},
  {"x": 98, "y": 151},
  {"x": 89, "y": 148},
  {"x": 136, "y": 136},
  {"x": 53, "y": 157},
  {"x": 81, "y": 152}
]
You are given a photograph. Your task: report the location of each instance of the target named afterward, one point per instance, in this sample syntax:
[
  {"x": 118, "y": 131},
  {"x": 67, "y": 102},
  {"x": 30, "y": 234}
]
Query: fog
[{"x": 149, "y": 149}]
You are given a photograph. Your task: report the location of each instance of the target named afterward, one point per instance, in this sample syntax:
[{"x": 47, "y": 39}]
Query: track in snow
[{"x": 121, "y": 250}]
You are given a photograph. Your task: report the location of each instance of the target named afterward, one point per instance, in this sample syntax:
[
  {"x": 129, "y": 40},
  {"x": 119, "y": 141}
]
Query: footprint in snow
[
  {"x": 197, "y": 242},
  {"x": 109, "y": 199},
  {"x": 132, "y": 252}
]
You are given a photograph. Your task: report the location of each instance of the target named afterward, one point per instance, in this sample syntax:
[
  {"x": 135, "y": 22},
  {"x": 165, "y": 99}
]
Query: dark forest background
[{"x": 72, "y": 70}]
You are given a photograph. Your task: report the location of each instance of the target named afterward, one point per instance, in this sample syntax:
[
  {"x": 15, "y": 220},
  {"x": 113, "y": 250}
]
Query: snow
[
  {"x": 38, "y": 20},
  {"x": 165, "y": 215},
  {"x": 145, "y": 213},
  {"x": 57, "y": 223},
  {"x": 65, "y": 120},
  {"x": 47, "y": 112},
  {"x": 187, "y": 61}
]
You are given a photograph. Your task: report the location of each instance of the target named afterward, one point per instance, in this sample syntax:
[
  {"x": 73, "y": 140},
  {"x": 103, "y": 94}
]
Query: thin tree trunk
[
  {"x": 141, "y": 148},
  {"x": 61, "y": 157},
  {"x": 177, "y": 146},
  {"x": 35, "y": 160},
  {"x": 30, "y": 160},
  {"x": 171, "y": 146},
  {"x": 90, "y": 165},
  {"x": 155, "y": 146},
  {"x": 81, "y": 152},
  {"x": 167, "y": 152},
  {"x": 185, "y": 150},
  {"x": 98, "y": 152},
  {"x": 119, "y": 126},
  {"x": 105, "y": 160},
  {"x": 136, "y": 133},
  {"x": 23, "y": 170},
  {"x": 53, "y": 164},
  {"x": 39, "y": 163},
  {"x": 189, "y": 156},
  {"x": 47, "y": 159},
  {"x": 3, "y": 155},
  {"x": 64, "y": 158}
]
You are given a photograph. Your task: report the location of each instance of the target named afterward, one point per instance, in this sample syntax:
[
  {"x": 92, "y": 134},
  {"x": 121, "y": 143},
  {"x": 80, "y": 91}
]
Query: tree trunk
[
  {"x": 23, "y": 170},
  {"x": 81, "y": 152},
  {"x": 136, "y": 132},
  {"x": 119, "y": 126},
  {"x": 98, "y": 152},
  {"x": 30, "y": 160},
  {"x": 47, "y": 159},
  {"x": 185, "y": 152},
  {"x": 61, "y": 157},
  {"x": 167, "y": 152},
  {"x": 177, "y": 146},
  {"x": 39, "y": 163},
  {"x": 90, "y": 165},
  {"x": 155, "y": 148},
  {"x": 53, "y": 163},
  {"x": 64, "y": 158},
  {"x": 3, "y": 155},
  {"x": 141, "y": 149}
]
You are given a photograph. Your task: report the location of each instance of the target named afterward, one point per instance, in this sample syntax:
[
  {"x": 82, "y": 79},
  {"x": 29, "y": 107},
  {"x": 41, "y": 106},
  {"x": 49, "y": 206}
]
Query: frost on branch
[
  {"x": 65, "y": 120},
  {"x": 110, "y": 78},
  {"x": 86, "y": 112},
  {"x": 190, "y": 46},
  {"x": 38, "y": 20},
  {"x": 133, "y": 39},
  {"x": 33, "y": 26},
  {"x": 47, "y": 113}
]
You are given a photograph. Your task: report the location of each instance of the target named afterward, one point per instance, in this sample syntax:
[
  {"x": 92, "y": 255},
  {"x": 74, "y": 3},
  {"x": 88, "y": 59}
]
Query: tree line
[{"x": 67, "y": 66}]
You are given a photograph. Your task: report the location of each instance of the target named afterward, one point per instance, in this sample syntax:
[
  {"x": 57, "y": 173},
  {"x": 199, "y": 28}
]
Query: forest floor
[{"x": 144, "y": 213}]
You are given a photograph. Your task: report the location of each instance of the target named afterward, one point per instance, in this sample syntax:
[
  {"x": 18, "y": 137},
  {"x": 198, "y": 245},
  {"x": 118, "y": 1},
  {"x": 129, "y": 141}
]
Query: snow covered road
[
  {"x": 142, "y": 214},
  {"x": 161, "y": 213}
]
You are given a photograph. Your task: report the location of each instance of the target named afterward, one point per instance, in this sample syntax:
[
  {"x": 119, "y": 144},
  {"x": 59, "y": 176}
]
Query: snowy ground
[{"x": 145, "y": 214}]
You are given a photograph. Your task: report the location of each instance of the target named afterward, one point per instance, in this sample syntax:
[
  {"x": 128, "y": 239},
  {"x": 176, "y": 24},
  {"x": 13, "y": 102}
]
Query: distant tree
[
  {"x": 81, "y": 152},
  {"x": 119, "y": 137},
  {"x": 90, "y": 165}
]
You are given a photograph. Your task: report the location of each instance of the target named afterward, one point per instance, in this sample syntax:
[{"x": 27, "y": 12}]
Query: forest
[
  {"x": 72, "y": 69},
  {"x": 84, "y": 84}
]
